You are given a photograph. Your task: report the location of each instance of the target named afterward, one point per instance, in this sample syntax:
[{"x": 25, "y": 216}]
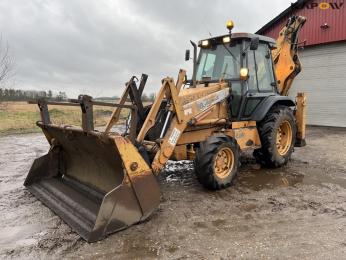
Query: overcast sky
[{"x": 93, "y": 47}]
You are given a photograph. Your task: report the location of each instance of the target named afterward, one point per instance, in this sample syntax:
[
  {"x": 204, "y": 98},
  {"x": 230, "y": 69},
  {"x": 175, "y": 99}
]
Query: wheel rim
[
  {"x": 284, "y": 137},
  {"x": 224, "y": 162}
]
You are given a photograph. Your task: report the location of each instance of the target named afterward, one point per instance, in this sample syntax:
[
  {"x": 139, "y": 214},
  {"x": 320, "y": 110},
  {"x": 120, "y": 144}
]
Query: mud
[{"x": 298, "y": 211}]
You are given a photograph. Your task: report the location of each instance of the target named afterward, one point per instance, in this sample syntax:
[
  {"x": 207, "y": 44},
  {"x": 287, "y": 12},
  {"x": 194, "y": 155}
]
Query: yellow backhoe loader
[{"x": 100, "y": 182}]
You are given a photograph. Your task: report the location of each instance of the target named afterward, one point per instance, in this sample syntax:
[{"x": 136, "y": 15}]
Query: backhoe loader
[{"x": 100, "y": 182}]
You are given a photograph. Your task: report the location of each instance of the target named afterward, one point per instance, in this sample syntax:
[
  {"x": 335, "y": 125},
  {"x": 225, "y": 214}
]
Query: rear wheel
[
  {"x": 217, "y": 162},
  {"x": 278, "y": 133}
]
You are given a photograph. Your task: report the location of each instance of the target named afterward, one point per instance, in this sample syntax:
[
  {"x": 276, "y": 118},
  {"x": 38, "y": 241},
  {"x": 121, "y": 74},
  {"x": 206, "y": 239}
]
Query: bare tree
[{"x": 6, "y": 62}]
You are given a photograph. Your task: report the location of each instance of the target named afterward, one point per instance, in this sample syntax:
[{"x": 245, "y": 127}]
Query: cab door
[{"x": 261, "y": 81}]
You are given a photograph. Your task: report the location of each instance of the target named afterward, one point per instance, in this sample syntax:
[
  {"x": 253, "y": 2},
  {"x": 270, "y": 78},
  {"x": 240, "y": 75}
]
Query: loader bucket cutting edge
[{"x": 98, "y": 184}]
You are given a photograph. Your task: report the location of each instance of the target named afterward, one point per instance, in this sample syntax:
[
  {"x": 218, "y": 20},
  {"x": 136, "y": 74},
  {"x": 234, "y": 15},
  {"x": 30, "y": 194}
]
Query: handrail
[{"x": 76, "y": 102}]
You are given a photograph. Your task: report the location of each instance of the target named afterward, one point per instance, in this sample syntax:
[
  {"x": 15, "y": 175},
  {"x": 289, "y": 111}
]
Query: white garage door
[{"x": 323, "y": 77}]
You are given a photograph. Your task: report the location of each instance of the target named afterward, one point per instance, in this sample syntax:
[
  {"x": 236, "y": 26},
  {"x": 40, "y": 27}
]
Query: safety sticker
[
  {"x": 173, "y": 139},
  {"x": 188, "y": 111}
]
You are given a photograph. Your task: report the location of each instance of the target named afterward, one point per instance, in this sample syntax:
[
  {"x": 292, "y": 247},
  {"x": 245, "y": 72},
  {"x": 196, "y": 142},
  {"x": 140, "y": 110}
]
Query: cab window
[
  {"x": 260, "y": 70},
  {"x": 206, "y": 67},
  {"x": 264, "y": 70},
  {"x": 218, "y": 62}
]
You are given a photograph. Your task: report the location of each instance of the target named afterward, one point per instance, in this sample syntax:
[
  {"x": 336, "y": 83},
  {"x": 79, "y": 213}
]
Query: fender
[{"x": 268, "y": 103}]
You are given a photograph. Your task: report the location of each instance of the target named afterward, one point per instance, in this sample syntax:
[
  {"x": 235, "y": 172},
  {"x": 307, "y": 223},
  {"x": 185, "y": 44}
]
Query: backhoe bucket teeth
[{"x": 98, "y": 184}]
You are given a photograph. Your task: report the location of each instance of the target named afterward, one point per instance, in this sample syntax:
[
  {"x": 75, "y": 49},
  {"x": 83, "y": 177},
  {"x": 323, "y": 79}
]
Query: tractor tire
[
  {"x": 217, "y": 162},
  {"x": 277, "y": 132}
]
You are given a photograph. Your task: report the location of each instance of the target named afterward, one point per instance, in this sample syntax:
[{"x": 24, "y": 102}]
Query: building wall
[
  {"x": 334, "y": 15},
  {"x": 323, "y": 78}
]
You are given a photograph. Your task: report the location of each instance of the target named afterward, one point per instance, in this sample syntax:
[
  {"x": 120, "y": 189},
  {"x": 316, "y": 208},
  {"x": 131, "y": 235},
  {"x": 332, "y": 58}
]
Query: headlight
[
  {"x": 226, "y": 39},
  {"x": 205, "y": 43},
  {"x": 244, "y": 73}
]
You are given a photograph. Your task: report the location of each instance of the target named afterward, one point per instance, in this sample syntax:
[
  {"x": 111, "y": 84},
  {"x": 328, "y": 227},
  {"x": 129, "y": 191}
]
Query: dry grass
[{"x": 20, "y": 117}]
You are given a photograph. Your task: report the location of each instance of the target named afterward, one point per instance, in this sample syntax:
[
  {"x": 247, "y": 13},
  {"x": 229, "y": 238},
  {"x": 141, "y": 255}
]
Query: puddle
[
  {"x": 140, "y": 249},
  {"x": 172, "y": 248},
  {"x": 258, "y": 179},
  {"x": 219, "y": 222},
  {"x": 253, "y": 177},
  {"x": 199, "y": 224},
  {"x": 19, "y": 234},
  {"x": 265, "y": 179}
]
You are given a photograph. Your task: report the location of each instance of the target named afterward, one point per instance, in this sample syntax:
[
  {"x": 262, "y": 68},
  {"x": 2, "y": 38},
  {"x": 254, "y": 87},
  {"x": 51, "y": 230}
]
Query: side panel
[
  {"x": 267, "y": 103},
  {"x": 246, "y": 134}
]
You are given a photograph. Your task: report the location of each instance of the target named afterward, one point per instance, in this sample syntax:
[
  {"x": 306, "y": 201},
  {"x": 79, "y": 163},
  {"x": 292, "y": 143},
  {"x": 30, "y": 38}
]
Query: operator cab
[{"x": 242, "y": 59}]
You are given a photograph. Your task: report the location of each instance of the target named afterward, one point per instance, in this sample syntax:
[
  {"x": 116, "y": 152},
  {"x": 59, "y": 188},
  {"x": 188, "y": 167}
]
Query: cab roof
[{"x": 241, "y": 35}]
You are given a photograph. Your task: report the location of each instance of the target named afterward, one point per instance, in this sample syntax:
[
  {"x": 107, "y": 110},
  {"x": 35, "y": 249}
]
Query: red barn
[{"x": 323, "y": 58}]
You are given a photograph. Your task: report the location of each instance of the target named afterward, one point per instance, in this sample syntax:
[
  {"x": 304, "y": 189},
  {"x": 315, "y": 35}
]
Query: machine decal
[
  {"x": 173, "y": 139},
  {"x": 187, "y": 111},
  {"x": 212, "y": 99},
  {"x": 206, "y": 102}
]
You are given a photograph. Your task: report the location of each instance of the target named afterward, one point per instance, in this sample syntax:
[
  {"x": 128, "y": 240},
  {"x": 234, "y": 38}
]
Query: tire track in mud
[{"x": 297, "y": 211}]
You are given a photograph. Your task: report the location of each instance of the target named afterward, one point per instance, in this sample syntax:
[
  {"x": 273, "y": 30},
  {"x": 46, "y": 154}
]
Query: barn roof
[
  {"x": 325, "y": 21},
  {"x": 287, "y": 11}
]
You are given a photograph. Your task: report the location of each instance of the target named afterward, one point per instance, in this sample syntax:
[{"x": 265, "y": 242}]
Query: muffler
[{"x": 97, "y": 183}]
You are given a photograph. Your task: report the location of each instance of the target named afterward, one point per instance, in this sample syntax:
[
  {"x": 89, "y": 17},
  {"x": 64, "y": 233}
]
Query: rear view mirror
[
  {"x": 254, "y": 43},
  {"x": 187, "y": 55}
]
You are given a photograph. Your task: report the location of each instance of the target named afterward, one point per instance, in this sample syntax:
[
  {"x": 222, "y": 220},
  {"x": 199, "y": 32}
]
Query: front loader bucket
[{"x": 97, "y": 183}]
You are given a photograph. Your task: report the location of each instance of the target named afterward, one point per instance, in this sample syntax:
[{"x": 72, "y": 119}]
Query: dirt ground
[{"x": 298, "y": 211}]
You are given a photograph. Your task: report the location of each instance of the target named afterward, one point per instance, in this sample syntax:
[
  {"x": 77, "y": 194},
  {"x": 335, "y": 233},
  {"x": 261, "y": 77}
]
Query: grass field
[{"x": 21, "y": 117}]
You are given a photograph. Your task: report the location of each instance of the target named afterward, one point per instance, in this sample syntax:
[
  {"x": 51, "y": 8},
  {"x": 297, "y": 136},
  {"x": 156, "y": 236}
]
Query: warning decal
[{"x": 173, "y": 139}]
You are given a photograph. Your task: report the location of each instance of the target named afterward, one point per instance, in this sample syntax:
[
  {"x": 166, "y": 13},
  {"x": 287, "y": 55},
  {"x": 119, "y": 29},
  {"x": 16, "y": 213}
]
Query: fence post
[{"x": 87, "y": 112}]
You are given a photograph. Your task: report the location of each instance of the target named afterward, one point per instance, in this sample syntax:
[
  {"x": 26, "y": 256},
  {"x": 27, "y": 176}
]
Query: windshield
[{"x": 219, "y": 62}]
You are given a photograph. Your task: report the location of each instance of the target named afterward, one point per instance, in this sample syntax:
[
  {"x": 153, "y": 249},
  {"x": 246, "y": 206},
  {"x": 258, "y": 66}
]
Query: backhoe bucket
[{"x": 97, "y": 183}]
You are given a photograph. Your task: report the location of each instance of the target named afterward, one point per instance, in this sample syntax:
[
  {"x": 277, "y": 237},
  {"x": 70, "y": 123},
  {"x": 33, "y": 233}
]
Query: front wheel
[
  {"x": 278, "y": 134},
  {"x": 217, "y": 162}
]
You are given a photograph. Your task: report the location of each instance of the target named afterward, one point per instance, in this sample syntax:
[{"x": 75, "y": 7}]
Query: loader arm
[
  {"x": 194, "y": 112},
  {"x": 183, "y": 116}
]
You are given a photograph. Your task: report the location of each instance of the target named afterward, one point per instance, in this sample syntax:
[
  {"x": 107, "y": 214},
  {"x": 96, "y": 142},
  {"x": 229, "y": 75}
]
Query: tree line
[
  {"x": 10, "y": 94},
  {"x": 148, "y": 98},
  {"x": 145, "y": 98}
]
